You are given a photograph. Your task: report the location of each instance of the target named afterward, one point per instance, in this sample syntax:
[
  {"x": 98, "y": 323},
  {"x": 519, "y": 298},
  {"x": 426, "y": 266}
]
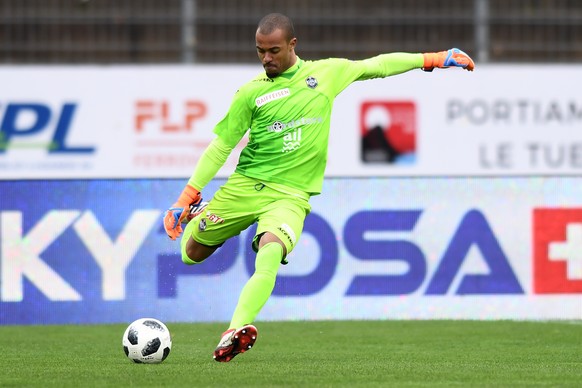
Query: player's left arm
[
  {"x": 344, "y": 71},
  {"x": 386, "y": 65}
]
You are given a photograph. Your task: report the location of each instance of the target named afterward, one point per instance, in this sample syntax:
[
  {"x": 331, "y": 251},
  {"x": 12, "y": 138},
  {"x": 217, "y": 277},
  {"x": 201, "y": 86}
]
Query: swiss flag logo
[{"x": 557, "y": 251}]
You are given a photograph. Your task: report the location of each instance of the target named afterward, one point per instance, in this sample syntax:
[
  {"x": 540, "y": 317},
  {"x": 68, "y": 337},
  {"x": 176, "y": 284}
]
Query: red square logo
[
  {"x": 557, "y": 239},
  {"x": 388, "y": 132}
]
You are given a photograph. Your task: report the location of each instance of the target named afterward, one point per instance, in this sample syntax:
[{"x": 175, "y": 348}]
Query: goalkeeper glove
[
  {"x": 173, "y": 216},
  {"x": 444, "y": 59}
]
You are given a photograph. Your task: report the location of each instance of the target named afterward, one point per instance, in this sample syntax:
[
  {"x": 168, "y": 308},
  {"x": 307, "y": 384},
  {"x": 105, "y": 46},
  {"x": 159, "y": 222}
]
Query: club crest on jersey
[{"x": 311, "y": 82}]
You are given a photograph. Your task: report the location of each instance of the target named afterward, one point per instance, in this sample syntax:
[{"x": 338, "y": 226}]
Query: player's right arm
[
  {"x": 212, "y": 159},
  {"x": 230, "y": 131}
]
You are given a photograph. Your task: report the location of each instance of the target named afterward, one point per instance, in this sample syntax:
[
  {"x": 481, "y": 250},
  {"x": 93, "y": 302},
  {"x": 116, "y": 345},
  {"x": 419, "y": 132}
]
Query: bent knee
[
  {"x": 195, "y": 253},
  {"x": 189, "y": 261}
]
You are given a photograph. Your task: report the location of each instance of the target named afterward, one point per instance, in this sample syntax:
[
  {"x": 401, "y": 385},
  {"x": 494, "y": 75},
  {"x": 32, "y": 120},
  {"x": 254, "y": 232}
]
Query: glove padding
[
  {"x": 174, "y": 215},
  {"x": 450, "y": 58}
]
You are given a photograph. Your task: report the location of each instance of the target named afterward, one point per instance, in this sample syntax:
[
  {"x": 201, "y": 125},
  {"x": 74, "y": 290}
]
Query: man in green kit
[{"x": 287, "y": 110}]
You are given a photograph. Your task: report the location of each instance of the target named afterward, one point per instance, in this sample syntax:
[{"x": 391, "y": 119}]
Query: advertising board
[
  {"x": 95, "y": 251},
  {"x": 104, "y": 122}
]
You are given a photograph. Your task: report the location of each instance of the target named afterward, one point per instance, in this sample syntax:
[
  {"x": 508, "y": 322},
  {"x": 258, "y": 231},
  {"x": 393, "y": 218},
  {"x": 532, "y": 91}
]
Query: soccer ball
[{"x": 147, "y": 340}]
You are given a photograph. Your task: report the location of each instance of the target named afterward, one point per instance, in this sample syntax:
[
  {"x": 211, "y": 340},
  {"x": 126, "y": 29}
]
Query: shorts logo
[
  {"x": 202, "y": 225},
  {"x": 311, "y": 82},
  {"x": 557, "y": 239},
  {"x": 288, "y": 232},
  {"x": 269, "y": 97},
  {"x": 215, "y": 219}
]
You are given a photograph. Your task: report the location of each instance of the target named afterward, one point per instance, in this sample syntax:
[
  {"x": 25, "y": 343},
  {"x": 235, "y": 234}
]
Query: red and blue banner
[{"x": 94, "y": 251}]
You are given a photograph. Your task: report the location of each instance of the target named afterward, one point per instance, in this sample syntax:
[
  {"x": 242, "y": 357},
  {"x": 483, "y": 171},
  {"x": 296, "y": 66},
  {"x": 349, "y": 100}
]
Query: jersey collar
[{"x": 290, "y": 72}]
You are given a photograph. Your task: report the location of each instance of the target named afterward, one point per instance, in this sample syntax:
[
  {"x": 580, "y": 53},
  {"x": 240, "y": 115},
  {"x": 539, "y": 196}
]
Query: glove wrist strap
[
  {"x": 432, "y": 60},
  {"x": 189, "y": 196}
]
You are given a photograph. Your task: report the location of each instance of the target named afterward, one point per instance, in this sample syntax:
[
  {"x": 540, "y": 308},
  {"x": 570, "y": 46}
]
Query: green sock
[
  {"x": 185, "y": 236},
  {"x": 259, "y": 287}
]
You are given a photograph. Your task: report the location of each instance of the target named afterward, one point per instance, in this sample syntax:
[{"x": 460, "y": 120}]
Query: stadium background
[{"x": 465, "y": 196}]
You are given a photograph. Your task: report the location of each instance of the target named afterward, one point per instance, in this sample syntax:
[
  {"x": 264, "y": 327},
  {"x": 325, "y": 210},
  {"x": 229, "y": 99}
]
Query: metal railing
[{"x": 222, "y": 31}]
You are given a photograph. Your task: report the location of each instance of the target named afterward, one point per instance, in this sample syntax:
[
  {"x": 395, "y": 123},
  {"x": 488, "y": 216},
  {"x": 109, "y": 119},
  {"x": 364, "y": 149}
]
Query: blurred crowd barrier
[{"x": 222, "y": 31}]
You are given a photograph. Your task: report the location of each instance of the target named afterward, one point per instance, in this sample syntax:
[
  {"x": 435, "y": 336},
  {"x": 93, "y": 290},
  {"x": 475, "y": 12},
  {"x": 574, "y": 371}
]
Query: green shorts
[{"x": 241, "y": 202}]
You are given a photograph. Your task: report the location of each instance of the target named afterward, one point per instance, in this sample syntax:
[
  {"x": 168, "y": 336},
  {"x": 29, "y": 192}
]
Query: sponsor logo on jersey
[
  {"x": 311, "y": 82},
  {"x": 292, "y": 140},
  {"x": 276, "y": 127},
  {"x": 279, "y": 126},
  {"x": 270, "y": 97}
]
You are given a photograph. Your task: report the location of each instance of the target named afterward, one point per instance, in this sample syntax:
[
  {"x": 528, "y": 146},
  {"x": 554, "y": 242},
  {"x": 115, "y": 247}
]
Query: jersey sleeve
[
  {"x": 237, "y": 121},
  {"x": 210, "y": 162},
  {"x": 380, "y": 66}
]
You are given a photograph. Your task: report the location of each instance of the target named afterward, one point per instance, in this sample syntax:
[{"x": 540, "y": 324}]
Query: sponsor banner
[
  {"x": 90, "y": 122},
  {"x": 494, "y": 121},
  {"x": 112, "y": 122},
  {"x": 94, "y": 251}
]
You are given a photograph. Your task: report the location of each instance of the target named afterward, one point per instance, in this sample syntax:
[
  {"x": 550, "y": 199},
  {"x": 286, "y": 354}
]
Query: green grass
[{"x": 305, "y": 354}]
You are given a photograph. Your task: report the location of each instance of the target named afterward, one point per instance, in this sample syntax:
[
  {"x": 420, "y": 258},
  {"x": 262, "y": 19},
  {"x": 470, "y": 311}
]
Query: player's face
[{"x": 275, "y": 52}]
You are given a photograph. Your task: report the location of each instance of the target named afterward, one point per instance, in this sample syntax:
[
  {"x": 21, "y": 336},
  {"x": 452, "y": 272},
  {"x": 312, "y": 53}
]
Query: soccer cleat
[
  {"x": 234, "y": 342},
  {"x": 194, "y": 211}
]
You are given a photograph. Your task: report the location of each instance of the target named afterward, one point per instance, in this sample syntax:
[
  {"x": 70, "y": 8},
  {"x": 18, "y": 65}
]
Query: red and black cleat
[{"x": 234, "y": 342}]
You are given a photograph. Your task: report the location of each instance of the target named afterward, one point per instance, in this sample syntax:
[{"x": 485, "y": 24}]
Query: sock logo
[{"x": 557, "y": 239}]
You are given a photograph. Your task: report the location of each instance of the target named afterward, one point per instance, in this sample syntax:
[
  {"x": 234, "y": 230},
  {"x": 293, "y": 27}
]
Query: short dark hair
[{"x": 275, "y": 21}]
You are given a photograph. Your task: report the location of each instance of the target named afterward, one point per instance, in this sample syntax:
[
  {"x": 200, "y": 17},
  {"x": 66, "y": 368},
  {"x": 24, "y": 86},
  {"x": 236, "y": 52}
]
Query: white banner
[{"x": 155, "y": 121}]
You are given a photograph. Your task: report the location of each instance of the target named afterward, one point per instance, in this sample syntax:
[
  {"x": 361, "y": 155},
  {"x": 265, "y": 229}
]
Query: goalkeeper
[{"x": 287, "y": 111}]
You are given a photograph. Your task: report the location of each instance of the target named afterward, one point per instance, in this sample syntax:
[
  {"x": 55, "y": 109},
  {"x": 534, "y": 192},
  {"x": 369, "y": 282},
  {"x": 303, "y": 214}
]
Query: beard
[{"x": 271, "y": 71}]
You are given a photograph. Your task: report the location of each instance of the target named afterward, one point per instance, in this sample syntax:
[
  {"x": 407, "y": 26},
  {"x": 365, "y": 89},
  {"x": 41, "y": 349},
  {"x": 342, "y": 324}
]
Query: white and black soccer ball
[{"x": 147, "y": 340}]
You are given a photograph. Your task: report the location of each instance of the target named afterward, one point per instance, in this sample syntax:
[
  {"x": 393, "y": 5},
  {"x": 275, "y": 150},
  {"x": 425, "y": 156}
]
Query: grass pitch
[{"x": 305, "y": 354}]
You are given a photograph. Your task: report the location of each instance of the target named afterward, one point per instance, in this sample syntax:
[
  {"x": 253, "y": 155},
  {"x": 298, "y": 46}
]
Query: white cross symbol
[{"x": 570, "y": 251}]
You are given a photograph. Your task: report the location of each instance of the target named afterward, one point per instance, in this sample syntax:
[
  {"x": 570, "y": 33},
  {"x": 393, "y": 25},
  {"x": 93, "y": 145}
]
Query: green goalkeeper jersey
[{"x": 289, "y": 117}]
